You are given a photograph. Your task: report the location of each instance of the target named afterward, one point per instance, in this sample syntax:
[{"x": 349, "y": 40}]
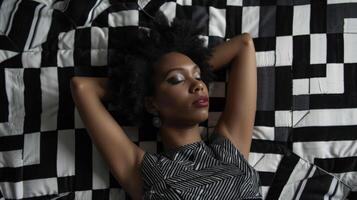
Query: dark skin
[
  {"x": 174, "y": 103},
  {"x": 175, "y": 94}
]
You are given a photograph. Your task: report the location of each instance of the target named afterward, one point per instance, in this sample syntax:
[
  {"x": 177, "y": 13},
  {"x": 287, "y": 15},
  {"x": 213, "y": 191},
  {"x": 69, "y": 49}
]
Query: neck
[{"x": 174, "y": 137}]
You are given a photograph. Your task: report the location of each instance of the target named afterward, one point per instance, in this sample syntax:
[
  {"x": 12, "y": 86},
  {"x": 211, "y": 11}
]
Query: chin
[{"x": 204, "y": 118}]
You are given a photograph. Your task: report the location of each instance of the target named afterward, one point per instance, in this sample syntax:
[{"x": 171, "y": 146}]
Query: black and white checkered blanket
[{"x": 304, "y": 140}]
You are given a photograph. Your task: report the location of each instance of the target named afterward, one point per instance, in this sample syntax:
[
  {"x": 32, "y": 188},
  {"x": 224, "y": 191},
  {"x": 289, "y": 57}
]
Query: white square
[
  {"x": 234, "y": 3},
  {"x": 32, "y": 148},
  {"x": 31, "y": 59},
  {"x": 83, "y": 195},
  {"x": 340, "y": 1},
  {"x": 301, "y": 20},
  {"x": 217, "y": 22},
  {"x": 265, "y": 58},
  {"x": 350, "y": 25},
  {"x": 301, "y": 86},
  {"x": 4, "y": 54},
  {"x": 99, "y": 37},
  {"x": 99, "y": 46},
  {"x": 66, "y": 40},
  {"x": 50, "y": 97},
  {"x": 66, "y": 153},
  {"x": 169, "y": 9},
  {"x": 318, "y": 48},
  {"x": 65, "y": 49},
  {"x": 100, "y": 176},
  {"x": 284, "y": 51},
  {"x": 333, "y": 83},
  {"x": 123, "y": 18},
  {"x": 143, "y": 3},
  {"x": 283, "y": 118},
  {"x": 15, "y": 87},
  {"x": 350, "y": 50},
  {"x": 65, "y": 58},
  {"x": 184, "y": 2},
  {"x": 250, "y": 21},
  {"x": 37, "y": 186},
  {"x": 205, "y": 38}
]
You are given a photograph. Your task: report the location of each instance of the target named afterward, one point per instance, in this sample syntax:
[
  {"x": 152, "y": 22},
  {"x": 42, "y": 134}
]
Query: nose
[{"x": 198, "y": 85}]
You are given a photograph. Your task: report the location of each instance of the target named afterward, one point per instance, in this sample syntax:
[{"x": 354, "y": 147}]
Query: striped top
[{"x": 200, "y": 171}]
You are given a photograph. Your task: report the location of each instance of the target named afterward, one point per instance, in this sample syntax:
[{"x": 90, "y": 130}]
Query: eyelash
[{"x": 176, "y": 82}]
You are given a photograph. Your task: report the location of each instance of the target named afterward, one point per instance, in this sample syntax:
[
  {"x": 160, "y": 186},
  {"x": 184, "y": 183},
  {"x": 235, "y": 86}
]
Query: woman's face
[{"x": 178, "y": 84}]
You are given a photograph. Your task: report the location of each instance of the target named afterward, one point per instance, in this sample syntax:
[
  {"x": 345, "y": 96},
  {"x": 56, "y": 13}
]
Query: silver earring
[{"x": 156, "y": 120}]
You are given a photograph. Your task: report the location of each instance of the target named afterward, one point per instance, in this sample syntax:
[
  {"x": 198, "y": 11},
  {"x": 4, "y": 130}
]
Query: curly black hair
[{"x": 131, "y": 75}]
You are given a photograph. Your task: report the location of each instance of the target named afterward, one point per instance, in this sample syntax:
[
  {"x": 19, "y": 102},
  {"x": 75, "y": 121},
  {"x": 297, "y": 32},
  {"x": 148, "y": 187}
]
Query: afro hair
[{"x": 131, "y": 69}]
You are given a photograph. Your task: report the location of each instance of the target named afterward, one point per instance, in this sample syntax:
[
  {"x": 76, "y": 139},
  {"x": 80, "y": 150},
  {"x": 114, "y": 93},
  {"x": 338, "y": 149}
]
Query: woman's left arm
[{"x": 237, "y": 120}]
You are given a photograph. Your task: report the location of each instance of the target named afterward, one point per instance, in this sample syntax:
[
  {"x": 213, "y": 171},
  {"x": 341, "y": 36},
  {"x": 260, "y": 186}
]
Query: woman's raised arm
[
  {"x": 237, "y": 120},
  {"x": 97, "y": 84},
  {"x": 121, "y": 154}
]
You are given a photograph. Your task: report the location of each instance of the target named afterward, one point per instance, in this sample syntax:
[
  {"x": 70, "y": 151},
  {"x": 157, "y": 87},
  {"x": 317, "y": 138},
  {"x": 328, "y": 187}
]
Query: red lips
[{"x": 201, "y": 101}]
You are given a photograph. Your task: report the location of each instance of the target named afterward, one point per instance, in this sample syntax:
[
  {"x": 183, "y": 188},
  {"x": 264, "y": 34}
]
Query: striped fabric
[{"x": 199, "y": 171}]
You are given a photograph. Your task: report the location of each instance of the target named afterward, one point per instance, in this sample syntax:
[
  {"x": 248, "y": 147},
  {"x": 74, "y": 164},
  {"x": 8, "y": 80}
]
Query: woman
[{"x": 161, "y": 74}]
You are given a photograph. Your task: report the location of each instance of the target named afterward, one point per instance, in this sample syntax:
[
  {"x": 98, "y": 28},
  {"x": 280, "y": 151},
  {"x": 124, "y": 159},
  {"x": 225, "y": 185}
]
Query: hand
[{"x": 98, "y": 85}]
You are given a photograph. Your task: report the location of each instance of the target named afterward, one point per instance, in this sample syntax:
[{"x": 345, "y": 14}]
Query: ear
[{"x": 150, "y": 104}]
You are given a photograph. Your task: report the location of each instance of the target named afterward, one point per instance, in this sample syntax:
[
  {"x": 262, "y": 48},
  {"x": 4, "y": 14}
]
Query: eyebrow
[{"x": 181, "y": 69}]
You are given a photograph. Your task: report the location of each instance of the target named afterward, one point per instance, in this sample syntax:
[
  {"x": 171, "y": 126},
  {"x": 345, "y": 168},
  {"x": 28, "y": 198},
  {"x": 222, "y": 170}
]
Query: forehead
[{"x": 174, "y": 60}]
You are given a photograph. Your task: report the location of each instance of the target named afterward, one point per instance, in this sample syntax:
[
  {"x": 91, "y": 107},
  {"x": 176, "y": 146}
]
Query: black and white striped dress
[{"x": 200, "y": 171}]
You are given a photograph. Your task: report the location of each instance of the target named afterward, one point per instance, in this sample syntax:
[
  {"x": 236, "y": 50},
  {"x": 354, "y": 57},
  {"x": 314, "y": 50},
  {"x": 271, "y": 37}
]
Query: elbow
[
  {"x": 76, "y": 84},
  {"x": 247, "y": 39}
]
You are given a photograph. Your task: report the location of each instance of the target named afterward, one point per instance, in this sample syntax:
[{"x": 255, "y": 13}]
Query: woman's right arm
[{"x": 121, "y": 154}]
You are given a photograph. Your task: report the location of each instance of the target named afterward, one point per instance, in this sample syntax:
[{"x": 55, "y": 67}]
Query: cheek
[
  {"x": 169, "y": 99},
  {"x": 173, "y": 99}
]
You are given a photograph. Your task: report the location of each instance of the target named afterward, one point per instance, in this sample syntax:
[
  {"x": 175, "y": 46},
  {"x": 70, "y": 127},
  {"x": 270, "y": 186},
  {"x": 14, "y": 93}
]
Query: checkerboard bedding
[{"x": 304, "y": 142}]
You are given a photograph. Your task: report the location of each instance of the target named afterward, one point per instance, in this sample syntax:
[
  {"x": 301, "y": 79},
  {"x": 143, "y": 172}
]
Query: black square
[
  {"x": 251, "y": 2},
  {"x": 83, "y": 160},
  {"x": 218, "y": 3},
  {"x": 268, "y": 2},
  {"x": 267, "y": 21},
  {"x": 233, "y": 21},
  {"x": 284, "y": 20},
  {"x": 121, "y": 37},
  {"x": 33, "y": 100},
  {"x": 283, "y": 88},
  {"x": 335, "y": 48},
  {"x": 102, "y": 194},
  {"x": 149, "y": 11},
  {"x": 301, "y": 50},
  {"x": 198, "y": 15},
  {"x": 65, "y": 102},
  {"x": 264, "y": 43},
  {"x": 82, "y": 46},
  {"x": 214, "y": 41},
  {"x": 65, "y": 184},
  {"x": 318, "y": 16},
  {"x": 49, "y": 57},
  {"x": 265, "y": 118},
  {"x": 201, "y": 3},
  {"x": 4, "y": 103}
]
